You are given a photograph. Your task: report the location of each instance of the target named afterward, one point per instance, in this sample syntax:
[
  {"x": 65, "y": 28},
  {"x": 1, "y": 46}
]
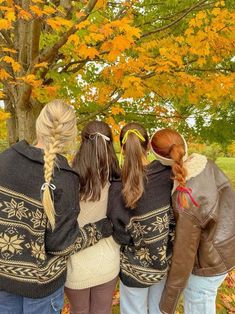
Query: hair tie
[
  {"x": 50, "y": 185},
  {"x": 188, "y": 191},
  {"x": 124, "y": 139},
  {"x": 136, "y": 132},
  {"x": 96, "y": 134}
]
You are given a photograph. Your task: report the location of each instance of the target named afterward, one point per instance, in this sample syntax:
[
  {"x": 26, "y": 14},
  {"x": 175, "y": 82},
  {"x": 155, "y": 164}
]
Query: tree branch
[
  {"x": 175, "y": 21},
  {"x": 104, "y": 108},
  {"x": 49, "y": 54}
]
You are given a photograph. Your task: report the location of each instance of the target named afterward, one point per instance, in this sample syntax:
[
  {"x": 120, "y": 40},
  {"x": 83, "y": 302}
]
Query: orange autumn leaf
[
  {"x": 4, "y": 115},
  {"x": 41, "y": 65},
  {"x": 9, "y": 50},
  {"x": 115, "y": 110},
  {"x": 5, "y": 24},
  {"x": 36, "y": 10},
  {"x": 88, "y": 52},
  {"x": 4, "y": 75},
  {"x": 15, "y": 65},
  {"x": 31, "y": 80}
]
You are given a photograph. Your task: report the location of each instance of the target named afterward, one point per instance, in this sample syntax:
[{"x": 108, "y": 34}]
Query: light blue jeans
[
  {"x": 200, "y": 294},
  {"x": 15, "y": 304},
  {"x": 141, "y": 300}
]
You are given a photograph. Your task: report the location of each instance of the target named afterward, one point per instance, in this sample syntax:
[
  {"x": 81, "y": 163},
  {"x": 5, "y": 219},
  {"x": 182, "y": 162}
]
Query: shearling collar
[
  {"x": 194, "y": 165},
  {"x": 36, "y": 154}
]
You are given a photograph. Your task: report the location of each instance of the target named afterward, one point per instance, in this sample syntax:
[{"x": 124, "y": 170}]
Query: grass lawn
[{"x": 226, "y": 294}]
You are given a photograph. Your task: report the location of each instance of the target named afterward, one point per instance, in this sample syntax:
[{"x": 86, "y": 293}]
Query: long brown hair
[
  {"x": 95, "y": 161},
  {"x": 133, "y": 170},
  {"x": 170, "y": 144}
]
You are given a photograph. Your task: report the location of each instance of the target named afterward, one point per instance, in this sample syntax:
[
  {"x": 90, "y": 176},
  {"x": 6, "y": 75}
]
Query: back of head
[
  {"x": 170, "y": 145},
  {"x": 55, "y": 128},
  {"x": 134, "y": 142},
  {"x": 95, "y": 161}
]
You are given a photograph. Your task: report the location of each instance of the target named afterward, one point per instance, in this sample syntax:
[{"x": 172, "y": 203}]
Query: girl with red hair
[{"x": 204, "y": 209}]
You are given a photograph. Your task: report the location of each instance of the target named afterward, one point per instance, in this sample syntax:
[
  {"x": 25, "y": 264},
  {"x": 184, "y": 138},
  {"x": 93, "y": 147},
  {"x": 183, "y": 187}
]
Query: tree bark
[
  {"x": 26, "y": 119},
  {"x": 12, "y": 124}
]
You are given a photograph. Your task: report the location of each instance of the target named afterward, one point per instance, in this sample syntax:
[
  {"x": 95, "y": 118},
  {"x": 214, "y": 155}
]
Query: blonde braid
[
  {"x": 49, "y": 163},
  {"x": 56, "y": 126}
]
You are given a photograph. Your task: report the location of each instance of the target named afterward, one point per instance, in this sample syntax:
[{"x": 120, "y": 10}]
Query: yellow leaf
[
  {"x": 4, "y": 75},
  {"x": 88, "y": 52},
  {"x": 192, "y": 22},
  {"x": 74, "y": 38},
  {"x": 201, "y": 61},
  {"x": 4, "y": 24},
  {"x": 31, "y": 80},
  {"x": 24, "y": 15},
  {"x": 15, "y": 65},
  {"x": 10, "y": 16},
  {"x": 163, "y": 51},
  {"x": 58, "y": 23},
  {"x": 41, "y": 65},
  {"x": 101, "y": 4},
  {"x": 189, "y": 31},
  {"x": 80, "y": 14},
  {"x": 117, "y": 110},
  {"x": 201, "y": 15},
  {"x": 216, "y": 11},
  {"x": 9, "y": 50},
  {"x": 4, "y": 115},
  {"x": 83, "y": 24},
  {"x": 36, "y": 10},
  {"x": 48, "y": 10}
]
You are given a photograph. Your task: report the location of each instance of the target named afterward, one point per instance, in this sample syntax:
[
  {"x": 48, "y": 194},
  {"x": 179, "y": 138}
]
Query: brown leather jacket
[{"x": 205, "y": 237}]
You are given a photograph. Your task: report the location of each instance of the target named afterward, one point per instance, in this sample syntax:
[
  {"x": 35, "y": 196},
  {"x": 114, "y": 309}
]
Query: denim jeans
[
  {"x": 200, "y": 294},
  {"x": 15, "y": 304},
  {"x": 141, "y": 300}
]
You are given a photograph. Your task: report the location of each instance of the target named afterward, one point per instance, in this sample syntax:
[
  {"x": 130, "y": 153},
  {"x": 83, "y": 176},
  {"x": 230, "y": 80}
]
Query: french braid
[{"x": 56, "y": 125}]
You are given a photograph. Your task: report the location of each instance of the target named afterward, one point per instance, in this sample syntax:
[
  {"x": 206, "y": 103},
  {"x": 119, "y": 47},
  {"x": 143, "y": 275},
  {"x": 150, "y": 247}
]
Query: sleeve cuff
[{"x": 169, "y": 300}]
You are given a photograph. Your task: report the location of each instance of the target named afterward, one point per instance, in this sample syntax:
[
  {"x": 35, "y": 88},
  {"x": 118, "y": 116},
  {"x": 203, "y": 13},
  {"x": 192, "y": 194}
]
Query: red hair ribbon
[{"x": 182, "y": 189}]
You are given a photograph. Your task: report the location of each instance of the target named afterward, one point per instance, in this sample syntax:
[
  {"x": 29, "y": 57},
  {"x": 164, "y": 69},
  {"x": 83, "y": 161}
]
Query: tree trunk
[
  {"x": 27, "y": 122},
  {"x": 21, "y": 124}
]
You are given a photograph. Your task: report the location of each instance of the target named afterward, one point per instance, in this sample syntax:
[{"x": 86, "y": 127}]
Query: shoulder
[
  {"x": 195, "y": 165},
  {"x": 156, "y": 166}
]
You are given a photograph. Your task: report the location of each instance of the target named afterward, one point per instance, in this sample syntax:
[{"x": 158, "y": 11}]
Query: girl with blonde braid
[
  {"x": 39, "y": 205},
  {"x": 140, "y": 210},
  {"x": 204, "y": 208}
]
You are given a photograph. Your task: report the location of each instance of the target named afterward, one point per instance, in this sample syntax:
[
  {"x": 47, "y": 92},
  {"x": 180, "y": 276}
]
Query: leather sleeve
[{"x": 186, "y": 243}]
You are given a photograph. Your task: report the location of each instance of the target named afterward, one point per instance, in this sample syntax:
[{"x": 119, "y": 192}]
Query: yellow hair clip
[{"x": 124, "y": 139}]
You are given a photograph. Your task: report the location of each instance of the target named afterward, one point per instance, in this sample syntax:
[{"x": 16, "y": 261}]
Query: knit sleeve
[
  {"x": 118, "y": 214},
  {"x": 68, "y": 238}
]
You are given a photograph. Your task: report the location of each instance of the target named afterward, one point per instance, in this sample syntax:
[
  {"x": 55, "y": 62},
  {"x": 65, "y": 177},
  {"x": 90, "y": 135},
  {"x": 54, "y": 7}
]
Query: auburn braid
[{"x": 177, "y": 153}]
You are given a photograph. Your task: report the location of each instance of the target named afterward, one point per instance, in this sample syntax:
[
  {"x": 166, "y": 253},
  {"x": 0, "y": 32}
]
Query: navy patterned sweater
[
  {"x": 33, "y": 259},
  {"x": 146, "y": 232}
]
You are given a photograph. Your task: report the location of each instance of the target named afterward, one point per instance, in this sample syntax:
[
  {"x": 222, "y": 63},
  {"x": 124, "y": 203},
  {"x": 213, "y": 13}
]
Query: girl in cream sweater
[{"x": 92, "y": 274}]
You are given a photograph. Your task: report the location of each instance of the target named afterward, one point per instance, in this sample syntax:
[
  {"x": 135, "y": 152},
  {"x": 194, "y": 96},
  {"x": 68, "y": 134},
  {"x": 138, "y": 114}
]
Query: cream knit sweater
[{"x": 99, "y": 263}]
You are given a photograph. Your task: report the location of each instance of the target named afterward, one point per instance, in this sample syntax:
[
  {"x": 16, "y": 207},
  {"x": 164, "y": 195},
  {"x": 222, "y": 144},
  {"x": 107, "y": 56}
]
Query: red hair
[{"x": 170, "y": 144}]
